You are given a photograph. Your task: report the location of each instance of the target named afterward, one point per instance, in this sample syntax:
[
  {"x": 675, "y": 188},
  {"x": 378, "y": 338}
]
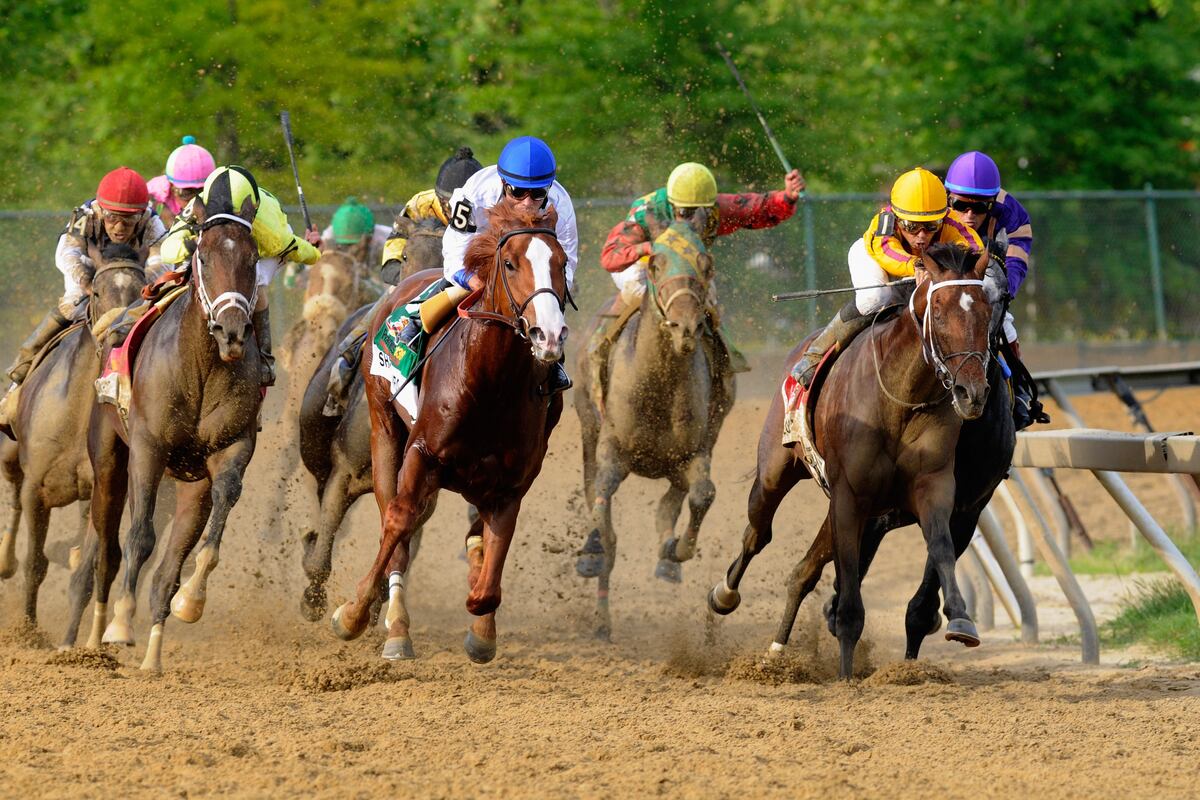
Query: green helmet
[{"x": 352, "y": 221}]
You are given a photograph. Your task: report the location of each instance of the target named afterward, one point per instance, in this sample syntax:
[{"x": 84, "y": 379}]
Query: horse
[
  {"x": 193, "y": 416},
  {"x": 51, "y": 420},
  {"x": 889, "y": 441},
  {"x": 484, "y": 419},
  {"x": 337, "y": 453},
  {"x": 667, "y": 397}
]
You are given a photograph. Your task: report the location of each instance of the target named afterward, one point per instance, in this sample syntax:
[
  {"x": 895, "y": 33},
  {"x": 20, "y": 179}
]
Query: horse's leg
[
  {"x": 85, "y": 526},
  {"x": 934, "y": 499},
  {"x": 318, "y": 555},
  {"x": 777, "y": 474},
  {"x": 398, "y": 645},
  {"x": 701, "y": 493},
  {"x": 610, "y": 472},
  {"x": 590, "y": 561},
  {"x": 803, "y": 580},
  {"x": 193, "y": 503},
  {"x": 79, "y": 591},
  {"x": 484, "y": 596},
  {"x": 37, "y": 520},
  {"x": 669, "y": 506},
  {"x": 226, "y": 468},
  {"x": 8, "y": 540},
  {"x": 873, "y": 534},
  {"x": 415, "y": 486},
  {"x": 922, "y": 618},
  {"x": 145, "y": 473},
  {"x": 102, "y": 547},
  {"x": 480, "y": 643},
  {"x": 846, "y": 531}
]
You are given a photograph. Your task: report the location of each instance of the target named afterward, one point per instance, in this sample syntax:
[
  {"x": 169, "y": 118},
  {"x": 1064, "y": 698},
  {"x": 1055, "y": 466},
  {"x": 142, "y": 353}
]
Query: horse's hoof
[
  {"x": 590, "y": 563},
  {"x": 340, "y": 630},
  {"x": 479, "y": 650},
  {"x": 313, "y": 605},
  {"x": 9, "y": 568},
  {"x": 962, "y": 630},
  {"x": 118, "y": 632},
  {"x": 723, "y": 600},
  {"x": 603, "y": 634},
  {"x": 831, "y": 615},
  {"x": 669, "y": 571},
  {"x": 186, "y": 608},
  {"x": 399, "y": 648}
]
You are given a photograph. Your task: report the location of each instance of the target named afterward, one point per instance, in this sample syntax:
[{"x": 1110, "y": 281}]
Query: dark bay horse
[
  {"x": 665, "y": 403},
  {"x": 484, "y": 420},
  {"x": 193, "y": 416},
  {"x": 52, "y": 415},
  {"x": 889, "y": 440}
]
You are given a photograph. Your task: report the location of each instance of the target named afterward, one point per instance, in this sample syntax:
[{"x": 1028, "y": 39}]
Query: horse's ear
[
  {"x": 705, "y": 262},
  {"x": 248, "y": 210},
  {"x": 403, "y": 226},
  {"x": 199, "y": 211}
]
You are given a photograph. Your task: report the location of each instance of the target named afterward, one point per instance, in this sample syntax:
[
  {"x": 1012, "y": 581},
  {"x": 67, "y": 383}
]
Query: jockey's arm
[
  {"x": 1020, "y": 242},
  {"x": 750, "y": 210},
  {"x": 626, "y": 243},
  {"x": 155, "y": 234},
  {"x": 70, "y": 256},
  {"x": 568, "y": 236}
]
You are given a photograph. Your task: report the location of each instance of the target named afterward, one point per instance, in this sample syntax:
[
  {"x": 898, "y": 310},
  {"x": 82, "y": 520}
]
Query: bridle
[
  {"x": 663, "y": 306},
  {"x": 109, "y": 267},
  {"x": 517, "y": 320},
  {"x": 214, "y": 307},
  {"x": 930, "y": 350}
]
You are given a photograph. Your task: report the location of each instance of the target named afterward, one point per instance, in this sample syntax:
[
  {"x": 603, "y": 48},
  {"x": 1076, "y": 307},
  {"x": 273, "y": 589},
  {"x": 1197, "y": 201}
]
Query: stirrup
[{"x": 558, "y": 381}]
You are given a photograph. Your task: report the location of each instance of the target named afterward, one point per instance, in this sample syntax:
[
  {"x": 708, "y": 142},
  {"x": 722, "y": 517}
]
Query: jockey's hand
[
  {"x": 793, "y": 185},
  {"x": 313, "y": 237},
  {"x": 475, "y": 282},
  {"x": 1016, "y": 348}
]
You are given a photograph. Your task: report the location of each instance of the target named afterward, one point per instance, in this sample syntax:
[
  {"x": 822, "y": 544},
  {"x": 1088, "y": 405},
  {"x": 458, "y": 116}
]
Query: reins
[{"x": 517, "y": 320}]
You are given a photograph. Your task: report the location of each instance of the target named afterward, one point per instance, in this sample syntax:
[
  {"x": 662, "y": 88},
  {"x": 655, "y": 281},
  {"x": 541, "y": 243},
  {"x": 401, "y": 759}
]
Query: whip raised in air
[
  {"x": 787, "y": 167},
  {"x": 819, "y": 292},
  {"x": 287, "y": 137}
]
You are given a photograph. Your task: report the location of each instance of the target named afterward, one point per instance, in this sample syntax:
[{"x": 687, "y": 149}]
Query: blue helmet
[
  {"x": 527, "y": 162},
  {"x": 974, "y": 174}
]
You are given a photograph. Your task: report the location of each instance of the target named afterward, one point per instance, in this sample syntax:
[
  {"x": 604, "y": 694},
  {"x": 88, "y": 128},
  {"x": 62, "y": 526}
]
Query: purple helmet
[{"x": 975, "y": 174}]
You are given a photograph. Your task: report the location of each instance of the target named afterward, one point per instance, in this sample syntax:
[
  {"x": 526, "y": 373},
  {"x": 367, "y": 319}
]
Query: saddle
[{"x": 115, "y": 384}]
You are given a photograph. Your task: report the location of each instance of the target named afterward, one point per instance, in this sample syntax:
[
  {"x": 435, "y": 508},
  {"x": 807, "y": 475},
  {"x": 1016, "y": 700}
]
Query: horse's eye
[{"x": 508, "y": 265}]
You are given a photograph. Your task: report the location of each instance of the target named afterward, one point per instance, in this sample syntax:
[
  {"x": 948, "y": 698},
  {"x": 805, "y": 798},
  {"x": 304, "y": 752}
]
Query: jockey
[
  {"x": 430, "y": 204},
  {"x": 974, "y": 184},
  {"x": 225, "y": 191},
  {"x": 354, "y": 224},
  {"x": 119, "y": 214},
  {"x": 524, "y": 178},
  {"x": 187, "y": 167},
  {"x": 890, "y": 249},
  {"x": 628, "y": 248}
]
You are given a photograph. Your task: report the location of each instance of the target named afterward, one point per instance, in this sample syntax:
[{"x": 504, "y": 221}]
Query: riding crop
[
  {"x": 787, "y": 167},
  {"x": 819, "y": 292},
  {"x": 286, "y": 121}
]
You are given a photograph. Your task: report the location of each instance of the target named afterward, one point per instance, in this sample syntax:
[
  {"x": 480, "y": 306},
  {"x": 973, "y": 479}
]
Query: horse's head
[
  {"x": 952, "y": 305},
  {"x": 424, "y": 246},
  {"x": 223, "y": 274},
  {"x": 524, "y": 269},
  {"x": 679, "y": 276},
  {"x": 120, "y": 276}
]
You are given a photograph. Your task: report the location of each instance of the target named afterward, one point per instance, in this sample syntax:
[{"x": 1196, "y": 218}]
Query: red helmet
[{"x": 123, "y": 191}]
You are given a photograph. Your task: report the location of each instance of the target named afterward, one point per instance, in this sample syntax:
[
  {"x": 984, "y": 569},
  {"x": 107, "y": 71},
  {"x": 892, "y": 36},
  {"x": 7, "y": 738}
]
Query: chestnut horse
[
  {"x": 484, "y": 419},
  {"x": 193, "y": 415},
  {"x": 888, "y": 438}
]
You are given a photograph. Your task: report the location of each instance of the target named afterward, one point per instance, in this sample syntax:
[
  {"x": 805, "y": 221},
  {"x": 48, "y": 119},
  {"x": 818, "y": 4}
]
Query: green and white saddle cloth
[{"x": 394, "y": 359}]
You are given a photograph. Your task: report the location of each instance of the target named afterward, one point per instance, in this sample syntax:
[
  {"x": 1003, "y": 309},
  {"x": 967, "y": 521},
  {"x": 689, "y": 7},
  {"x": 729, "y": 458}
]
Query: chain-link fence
[{"x": 1107, "y": 266}]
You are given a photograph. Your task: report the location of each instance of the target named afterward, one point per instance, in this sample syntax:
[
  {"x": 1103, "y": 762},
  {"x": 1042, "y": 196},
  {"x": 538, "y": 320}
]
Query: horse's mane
[
  {"x": 952, "y": 257},
  {"x": 480, "y": 257}
]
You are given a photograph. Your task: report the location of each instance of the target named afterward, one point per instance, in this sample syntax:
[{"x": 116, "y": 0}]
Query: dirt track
[{"x": 255, "y": 701}]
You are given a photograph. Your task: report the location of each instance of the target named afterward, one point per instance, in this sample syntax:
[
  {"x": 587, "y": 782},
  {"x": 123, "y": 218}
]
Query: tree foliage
[{"x": 1092, "y": 94}]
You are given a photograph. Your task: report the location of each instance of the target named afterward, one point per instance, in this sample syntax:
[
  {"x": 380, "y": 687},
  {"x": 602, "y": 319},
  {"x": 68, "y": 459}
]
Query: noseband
[
  {"x": 214, "y": 307},
  {"x": 517, "y": 319}
]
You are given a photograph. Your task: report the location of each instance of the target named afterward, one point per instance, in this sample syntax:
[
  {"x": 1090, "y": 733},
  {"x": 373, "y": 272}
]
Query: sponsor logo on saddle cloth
[
  {"x": 797, "y": 421},
  {"x": 394, "y": 359}
]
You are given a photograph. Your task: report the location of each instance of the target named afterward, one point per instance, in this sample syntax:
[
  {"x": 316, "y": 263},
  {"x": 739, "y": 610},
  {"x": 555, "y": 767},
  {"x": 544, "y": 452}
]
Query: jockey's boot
[
  {"x": 52, "y": 324},
  {"x": 341, "y": 373},
  {"x": 558, "y": 380},
  {"x": 841, "y": 330},
  {"x": 266, "y": 360}
]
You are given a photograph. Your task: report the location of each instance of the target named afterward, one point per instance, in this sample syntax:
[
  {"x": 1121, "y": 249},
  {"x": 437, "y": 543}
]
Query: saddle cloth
[
  {"x": 798, "y": 407},
  {"x": 115, "y": 384}
]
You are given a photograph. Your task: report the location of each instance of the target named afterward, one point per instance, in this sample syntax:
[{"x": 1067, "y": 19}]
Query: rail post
[
  {"x": 993, "y": 534},
  {"x": 1156, "y": 280}
]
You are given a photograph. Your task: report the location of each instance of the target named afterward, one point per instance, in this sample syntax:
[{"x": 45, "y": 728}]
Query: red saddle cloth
[
  {"x": 796, "y": 396},
  {"x": 798, "y": 406},
  {"x": 114, "y": 386}
]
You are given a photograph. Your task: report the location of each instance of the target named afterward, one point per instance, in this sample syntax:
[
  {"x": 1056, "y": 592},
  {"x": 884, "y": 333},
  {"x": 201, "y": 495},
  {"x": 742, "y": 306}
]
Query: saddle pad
[
  {"x": 798, "y": 407},
  {"x": 394, "y": 360},
  {"x": 115, "y": 384}
]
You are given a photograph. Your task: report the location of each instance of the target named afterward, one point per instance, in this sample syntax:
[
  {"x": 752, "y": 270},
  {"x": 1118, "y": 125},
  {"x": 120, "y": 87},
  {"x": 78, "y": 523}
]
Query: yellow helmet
[
  {"x": 226, "y": 188},
  {"x": 691, "y": 185},
  {"x": 919, "y": 196}
]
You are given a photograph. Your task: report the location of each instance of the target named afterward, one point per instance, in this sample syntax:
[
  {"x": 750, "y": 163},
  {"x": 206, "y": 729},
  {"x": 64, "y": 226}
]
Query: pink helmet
[{"x": 189, "y": 164}]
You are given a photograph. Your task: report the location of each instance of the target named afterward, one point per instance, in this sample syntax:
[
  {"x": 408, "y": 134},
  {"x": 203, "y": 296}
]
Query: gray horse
[
  {"x": 667, "y": 394},
  {"x": 51, "y": 422}
]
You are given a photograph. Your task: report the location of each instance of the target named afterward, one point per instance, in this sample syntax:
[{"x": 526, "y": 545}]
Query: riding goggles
[
  {"x": 912, "y": 226},
  {"x": 520, "y": 192},
  {"x": 978, "y": 206}
]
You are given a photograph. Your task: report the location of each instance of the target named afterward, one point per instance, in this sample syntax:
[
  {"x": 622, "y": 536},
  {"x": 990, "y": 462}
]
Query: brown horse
[
  {"x": 52, "y": 415},
  {"x": 662, "y": 410},
  {"x": 484, "y": 419},
  {"x": 888, "y": 439},
  {"x": 196, "y": 398}
]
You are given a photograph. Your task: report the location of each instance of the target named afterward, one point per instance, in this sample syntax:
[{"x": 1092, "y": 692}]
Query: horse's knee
[{"x": 702, "y": 493}]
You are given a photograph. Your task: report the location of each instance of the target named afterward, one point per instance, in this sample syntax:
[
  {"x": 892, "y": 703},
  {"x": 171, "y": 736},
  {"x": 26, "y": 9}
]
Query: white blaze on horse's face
[
  {"x": 549, "y": 331},
  {"x": 965, "y": 300}
]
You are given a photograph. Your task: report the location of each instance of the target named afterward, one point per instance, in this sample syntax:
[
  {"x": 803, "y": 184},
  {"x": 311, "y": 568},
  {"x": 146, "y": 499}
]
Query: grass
[
  {"x": 1118, "y": 558},
  {"x": 1158, "y": 613}
]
